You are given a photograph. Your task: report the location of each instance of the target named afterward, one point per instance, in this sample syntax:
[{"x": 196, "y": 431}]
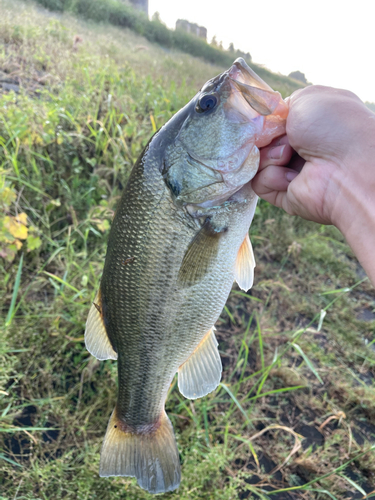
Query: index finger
[{"x": 278, "y": 152}]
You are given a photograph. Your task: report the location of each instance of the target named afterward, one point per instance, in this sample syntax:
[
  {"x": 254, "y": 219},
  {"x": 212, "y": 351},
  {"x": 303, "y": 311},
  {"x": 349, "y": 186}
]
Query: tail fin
[{"x": 152, "y": 457}]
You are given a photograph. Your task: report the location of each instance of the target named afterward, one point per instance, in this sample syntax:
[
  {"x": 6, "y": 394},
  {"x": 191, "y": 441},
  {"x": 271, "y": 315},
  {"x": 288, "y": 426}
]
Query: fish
[{"x": 178, "y": 241}]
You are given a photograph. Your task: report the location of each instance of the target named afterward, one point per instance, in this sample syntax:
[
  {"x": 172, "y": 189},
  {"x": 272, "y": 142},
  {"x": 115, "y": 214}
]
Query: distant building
[
  {"x": 140, "y": 5},
  {"x": 193, "y": 29}
]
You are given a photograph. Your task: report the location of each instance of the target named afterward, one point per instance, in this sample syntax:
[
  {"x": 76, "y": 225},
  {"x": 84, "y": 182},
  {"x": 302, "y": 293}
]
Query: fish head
[{"x": 216, "y": 149}]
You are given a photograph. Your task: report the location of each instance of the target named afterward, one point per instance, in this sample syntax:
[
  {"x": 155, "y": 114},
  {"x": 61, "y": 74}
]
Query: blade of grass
[
  {"x": 321, "y": 319},
  {"x": 340, "y": 290},
  {"x": 243, "y": 347},
  {"x": 237, "y": 403},
  {"x": 17, "y": 282},
  {"x": 23, "y": 429},
  {"x": 3, "y": 457},
  {"x": 251, "y": 447},
  {"x": 276, "y": 391},
  {"x": 260, "y": 338},
  {"x": 326, "y": 492},
  {"x": 307, "y": 361},
  {"x": 230, "y": 315},
  {"x": 243, "y": 294},
  {"x": 23, "y": 182},
  {"x": 205, "y": 419},
  {"x": 354, "y": 484},
  {"x": 60, "y": 280}
]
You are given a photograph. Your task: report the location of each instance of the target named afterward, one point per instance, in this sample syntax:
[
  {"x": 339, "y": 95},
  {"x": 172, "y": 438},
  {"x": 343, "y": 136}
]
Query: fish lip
[
  {"x": 249, "y": 75},
  {"x": 233, "y": 72}
]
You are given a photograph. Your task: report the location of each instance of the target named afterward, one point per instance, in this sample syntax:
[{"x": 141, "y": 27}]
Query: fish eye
[{"x": 206, "y": 103}]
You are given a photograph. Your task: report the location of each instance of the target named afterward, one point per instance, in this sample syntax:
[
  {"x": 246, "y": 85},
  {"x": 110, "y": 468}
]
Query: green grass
[
  {"x": 296, "y": 408},
  {"x": 118, "y": 13}
]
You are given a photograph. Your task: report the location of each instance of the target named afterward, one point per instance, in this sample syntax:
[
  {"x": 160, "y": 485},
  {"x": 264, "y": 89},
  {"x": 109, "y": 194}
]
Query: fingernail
[
  {"x": 276, "y": 153},
  {"x": 292, "y": 174}
]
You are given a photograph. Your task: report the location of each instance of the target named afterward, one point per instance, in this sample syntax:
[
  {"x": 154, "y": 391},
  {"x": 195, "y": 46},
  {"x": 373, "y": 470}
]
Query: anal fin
[
  {"x": 201, "y": 373},
  {"x": 96, "y": 338},
  {"x": 245, "y": 263}
]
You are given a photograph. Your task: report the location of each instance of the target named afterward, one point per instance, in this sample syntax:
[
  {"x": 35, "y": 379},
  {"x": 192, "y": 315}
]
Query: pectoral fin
[
  {"x": 96, "y": 338},
  {"x": 245, "y": 263},
  {"x": 201, "y": 373},
  {"x": 200, "y": 254},
  {"x": 262, "y": 101}
]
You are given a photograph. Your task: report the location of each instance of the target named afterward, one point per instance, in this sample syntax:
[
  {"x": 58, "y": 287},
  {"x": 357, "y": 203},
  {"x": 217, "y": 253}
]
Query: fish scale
[
  {"x": 176, "y": 245},
  {"x": 154, "y": 325}
]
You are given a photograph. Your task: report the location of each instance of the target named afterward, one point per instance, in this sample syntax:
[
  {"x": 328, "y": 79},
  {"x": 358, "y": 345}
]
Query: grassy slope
[{"x": 69, "y": 140}]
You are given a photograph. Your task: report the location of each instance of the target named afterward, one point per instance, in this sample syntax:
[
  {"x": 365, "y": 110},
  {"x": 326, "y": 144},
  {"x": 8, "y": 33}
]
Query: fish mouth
[
  {"x": 257, "y": 93},
  {"x": 241, "y": 72}
]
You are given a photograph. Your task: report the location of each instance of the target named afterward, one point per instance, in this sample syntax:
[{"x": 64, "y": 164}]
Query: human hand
[
  {"x": 323, "y": 169},
  {"x": 330, "y": 139}
]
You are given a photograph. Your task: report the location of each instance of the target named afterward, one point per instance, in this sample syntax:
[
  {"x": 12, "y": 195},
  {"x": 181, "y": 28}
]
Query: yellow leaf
[
  {"x": 22, "y": 218},
  {"x": 103, "y": 225},
  {"x": 14, "y": 227},
  {"x": 18, "y": 243},
  {"x": 7, "y": 196}
]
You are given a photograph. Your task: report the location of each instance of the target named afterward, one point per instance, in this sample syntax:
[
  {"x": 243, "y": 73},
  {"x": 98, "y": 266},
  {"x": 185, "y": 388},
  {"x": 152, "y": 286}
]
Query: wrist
[
  {"x": 355, "y": 179},
  {"x": 355, "y": 218}
]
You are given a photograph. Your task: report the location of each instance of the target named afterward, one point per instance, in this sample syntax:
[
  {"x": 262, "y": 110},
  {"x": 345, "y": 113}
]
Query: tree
[
  {"x": 214, "y": 41},
  {"x": 156, "y": 17}
]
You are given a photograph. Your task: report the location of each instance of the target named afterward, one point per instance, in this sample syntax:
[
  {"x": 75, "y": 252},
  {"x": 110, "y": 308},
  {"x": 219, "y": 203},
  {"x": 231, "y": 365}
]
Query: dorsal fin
[
  {"x": 96, "y": 338},
  {"x": 201, "y": 372},
  {"x": 245, "y": 263}
]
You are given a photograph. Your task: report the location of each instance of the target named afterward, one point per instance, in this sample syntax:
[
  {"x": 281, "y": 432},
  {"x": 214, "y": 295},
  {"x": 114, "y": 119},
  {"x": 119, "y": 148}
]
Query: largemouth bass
[{"x": 178, "y": 241}]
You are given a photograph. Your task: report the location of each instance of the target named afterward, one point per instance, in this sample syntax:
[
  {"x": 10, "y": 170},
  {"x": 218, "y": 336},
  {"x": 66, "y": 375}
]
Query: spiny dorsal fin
[
  {"x": 245, "y": 263},
  {"x": 200, "y": 254},
  {"x": 150, "y": 455},
  {"x": 201, "y": 373},
  {"x": 96, "y": 338}
]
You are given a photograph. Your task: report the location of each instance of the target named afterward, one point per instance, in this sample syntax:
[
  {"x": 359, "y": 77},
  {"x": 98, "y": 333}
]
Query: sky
[{"x": 332, "y": 42}]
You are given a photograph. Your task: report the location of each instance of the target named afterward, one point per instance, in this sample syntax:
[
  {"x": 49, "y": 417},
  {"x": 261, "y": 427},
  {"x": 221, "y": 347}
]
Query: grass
[
  {"x": 294, "y": 417},
  {"x": 118, "y": 13}
]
